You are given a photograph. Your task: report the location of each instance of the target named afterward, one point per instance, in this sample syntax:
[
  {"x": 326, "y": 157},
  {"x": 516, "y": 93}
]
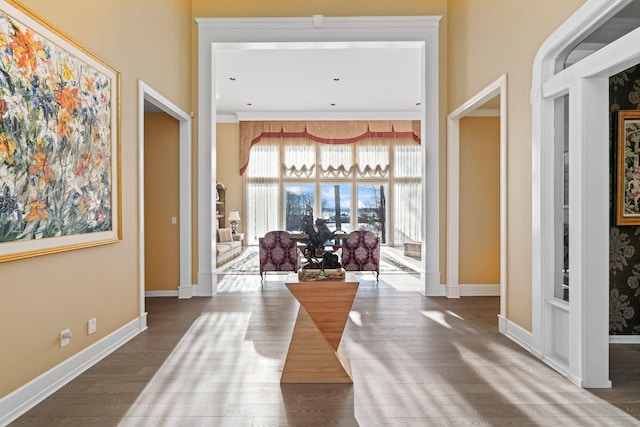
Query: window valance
[{"x": 325, "y": 132}]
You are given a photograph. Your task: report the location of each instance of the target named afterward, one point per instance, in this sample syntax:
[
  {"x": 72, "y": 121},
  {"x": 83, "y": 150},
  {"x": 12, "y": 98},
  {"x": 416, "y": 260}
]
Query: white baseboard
[
  {"x": 624, "y": 339},
  {"x": 157, "y": 294},
  {"x": 483, "y": 290},
  {"x": 516, "y": 333},
  {"x": 29, "y": 395}
]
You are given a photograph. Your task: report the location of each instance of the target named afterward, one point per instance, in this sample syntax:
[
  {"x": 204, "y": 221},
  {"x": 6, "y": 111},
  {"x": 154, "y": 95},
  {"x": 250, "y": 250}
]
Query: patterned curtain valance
[{"x": 325, "y": 132}]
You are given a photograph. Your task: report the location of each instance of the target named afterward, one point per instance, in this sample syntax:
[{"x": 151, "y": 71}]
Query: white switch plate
[
  {"x": 91, "y": 326},
  {"x": 65, "y": 337},
  {"x": 174, "y": 220}
]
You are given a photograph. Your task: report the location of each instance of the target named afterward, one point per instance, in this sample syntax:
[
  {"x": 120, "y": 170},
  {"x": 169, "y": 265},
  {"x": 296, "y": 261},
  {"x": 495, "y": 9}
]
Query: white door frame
[
  {"x": 146, "y": 93},
  {"x": 573, "y": 337},
  {"x": 453, "y": 289},
  {"x": 247, "y": 33}
]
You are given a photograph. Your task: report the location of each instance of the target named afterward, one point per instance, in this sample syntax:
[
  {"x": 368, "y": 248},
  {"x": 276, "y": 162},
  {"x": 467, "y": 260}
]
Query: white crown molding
[{"x": 301, "y": 115}]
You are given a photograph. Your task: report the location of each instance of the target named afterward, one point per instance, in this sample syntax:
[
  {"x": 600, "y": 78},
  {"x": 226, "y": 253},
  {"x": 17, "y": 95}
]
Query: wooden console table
[{"x": 314, "y": 355}]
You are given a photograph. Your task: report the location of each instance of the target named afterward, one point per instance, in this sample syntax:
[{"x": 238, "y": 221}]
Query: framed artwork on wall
[
  {"x": 59, "y": 141},
  {"x": 627, "y": 198}
]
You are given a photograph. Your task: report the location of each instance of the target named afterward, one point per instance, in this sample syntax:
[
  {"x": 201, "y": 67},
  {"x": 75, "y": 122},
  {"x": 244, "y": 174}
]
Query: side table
[{"x": 314, "y": 354}]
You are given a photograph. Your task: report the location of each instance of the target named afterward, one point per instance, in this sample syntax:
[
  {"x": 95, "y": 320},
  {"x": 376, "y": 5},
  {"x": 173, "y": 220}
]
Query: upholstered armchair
[
  {"x": 278, "y": 252},
  {"x": 361, "y": 252}
]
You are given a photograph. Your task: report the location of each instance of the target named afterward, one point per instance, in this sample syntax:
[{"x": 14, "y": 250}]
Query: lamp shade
[{"x": 234, "y": 215}]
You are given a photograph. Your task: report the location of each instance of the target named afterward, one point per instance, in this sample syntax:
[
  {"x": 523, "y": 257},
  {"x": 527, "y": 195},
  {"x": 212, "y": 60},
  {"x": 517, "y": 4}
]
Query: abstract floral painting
[{"x": 58, "y": 141}]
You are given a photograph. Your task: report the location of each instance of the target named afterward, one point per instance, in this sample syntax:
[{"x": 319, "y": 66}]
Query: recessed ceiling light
[
  {"x": 249, "y": 104},
  {"x": 336, "y": 79},
  {"x": 233, "y": 79},
  {"x": 418, "y": 103},
  {"x": 333, "y": 105}
]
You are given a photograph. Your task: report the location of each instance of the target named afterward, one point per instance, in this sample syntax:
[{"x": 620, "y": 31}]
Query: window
[{"x": 351, "y": 186}]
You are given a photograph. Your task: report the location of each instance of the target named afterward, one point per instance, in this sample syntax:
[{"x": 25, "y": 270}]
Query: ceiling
[{"x": 319, "y": 79}]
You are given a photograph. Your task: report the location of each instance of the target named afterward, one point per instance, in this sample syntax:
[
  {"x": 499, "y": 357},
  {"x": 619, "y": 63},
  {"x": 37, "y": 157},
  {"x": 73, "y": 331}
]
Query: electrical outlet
[
  {"x": 91, "y": 326},
  {"x": 65, "y": 337}
]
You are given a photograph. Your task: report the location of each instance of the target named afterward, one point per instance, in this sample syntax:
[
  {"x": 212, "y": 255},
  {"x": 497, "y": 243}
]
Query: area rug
[{"x": 247, "y": 263}]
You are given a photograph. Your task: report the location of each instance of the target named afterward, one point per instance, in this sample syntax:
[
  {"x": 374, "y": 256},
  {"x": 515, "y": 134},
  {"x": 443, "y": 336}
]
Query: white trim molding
[
  {"x": 29, "y": 395},
  {"x": 624, "y": 339},
  {"x": 148, "y": 94},
  {"x": 479, "y": 290},
  {"x": 584, "y": 319},
  {"x": 215, "y": 34},
  {"x": 497, "y": 88},
  {"x": 516, "y": 333},
  {"x": 161, "y": 294}
]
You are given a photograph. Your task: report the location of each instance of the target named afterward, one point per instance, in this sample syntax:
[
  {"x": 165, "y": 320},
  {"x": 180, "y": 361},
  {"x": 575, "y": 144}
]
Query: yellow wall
[
  {"x": 479, "y": 244},
  {"x": 489, "y": 38},
  {"x": 228, "y": 169},
  {"x": 39, "y": 297},
  {"x": 161, "y": 202}
]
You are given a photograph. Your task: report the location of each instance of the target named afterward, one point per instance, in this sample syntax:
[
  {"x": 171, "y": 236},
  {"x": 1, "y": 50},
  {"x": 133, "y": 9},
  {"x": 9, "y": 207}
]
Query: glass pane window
[
  {"x": 407, "y": 212},
  {"x": 299, "y": 159},
  {"x": 372, "y": 209},
  {"x": 335, "y": 204},
  {"x": 373, "y": 159},
  {"x": 299, "y": 200},
  {"x": 407, "y": 161},
  {"x": 262, "y": 211},
  {"x": 336, "y": 160},
  {"x": 265, "y": 161}
]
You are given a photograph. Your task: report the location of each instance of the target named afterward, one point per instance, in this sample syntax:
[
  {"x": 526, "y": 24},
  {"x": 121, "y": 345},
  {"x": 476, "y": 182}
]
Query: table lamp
[{"x": 234, "y": 217}]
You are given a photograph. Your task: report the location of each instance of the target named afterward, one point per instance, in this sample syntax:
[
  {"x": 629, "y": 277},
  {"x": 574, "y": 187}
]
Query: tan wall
[
  {"x": 161, "y": 202},
  {"x": 479, "y": 244},
  {"x": 228, "y": 170},
  {"x": 489, "y": 38},
  {"x": 39, "y": 297}
]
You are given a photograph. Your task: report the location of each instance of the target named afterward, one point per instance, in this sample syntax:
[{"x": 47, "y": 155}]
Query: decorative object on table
[
  {"x": 316, "y": 237},
  {"x": 59, "y": 141},
  {"x": 314, "y": 274},
  {"x": 234, "y": 218},
  {"x": 628, "y": 168}
]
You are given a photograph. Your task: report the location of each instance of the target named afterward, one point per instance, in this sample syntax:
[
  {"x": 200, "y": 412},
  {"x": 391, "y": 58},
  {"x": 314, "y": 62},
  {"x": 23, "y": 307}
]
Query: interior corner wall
[
  {"x": 479, "y": 241},
  {"x": 161, "y": 202},
  {"x": 486, "y": 40},
  {"x": 41, "y": 296}
]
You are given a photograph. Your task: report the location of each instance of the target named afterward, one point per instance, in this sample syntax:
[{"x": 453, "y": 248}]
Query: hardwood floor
[{"x": 416, "y": 361}]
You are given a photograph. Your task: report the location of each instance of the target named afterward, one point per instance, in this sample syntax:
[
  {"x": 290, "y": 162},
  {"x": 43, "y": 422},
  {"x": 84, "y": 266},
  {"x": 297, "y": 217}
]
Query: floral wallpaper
[{"x": 624, "y": 241}]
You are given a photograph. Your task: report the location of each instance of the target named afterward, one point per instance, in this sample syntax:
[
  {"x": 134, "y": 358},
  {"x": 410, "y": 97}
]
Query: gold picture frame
[
  {"x": 627, "y": 198},
  {"x": 60, "y": 184}
]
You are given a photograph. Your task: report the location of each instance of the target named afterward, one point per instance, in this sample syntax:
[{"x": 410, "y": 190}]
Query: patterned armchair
[
  {"x": 361, "y": 252},
  {"x": 278, "y": 252}
]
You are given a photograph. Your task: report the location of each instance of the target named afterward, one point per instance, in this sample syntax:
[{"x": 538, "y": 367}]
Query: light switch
[{"x": 174, "y": 220}]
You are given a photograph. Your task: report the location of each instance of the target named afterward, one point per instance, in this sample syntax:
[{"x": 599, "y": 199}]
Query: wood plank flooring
[{"x": 416, "y": 361}]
